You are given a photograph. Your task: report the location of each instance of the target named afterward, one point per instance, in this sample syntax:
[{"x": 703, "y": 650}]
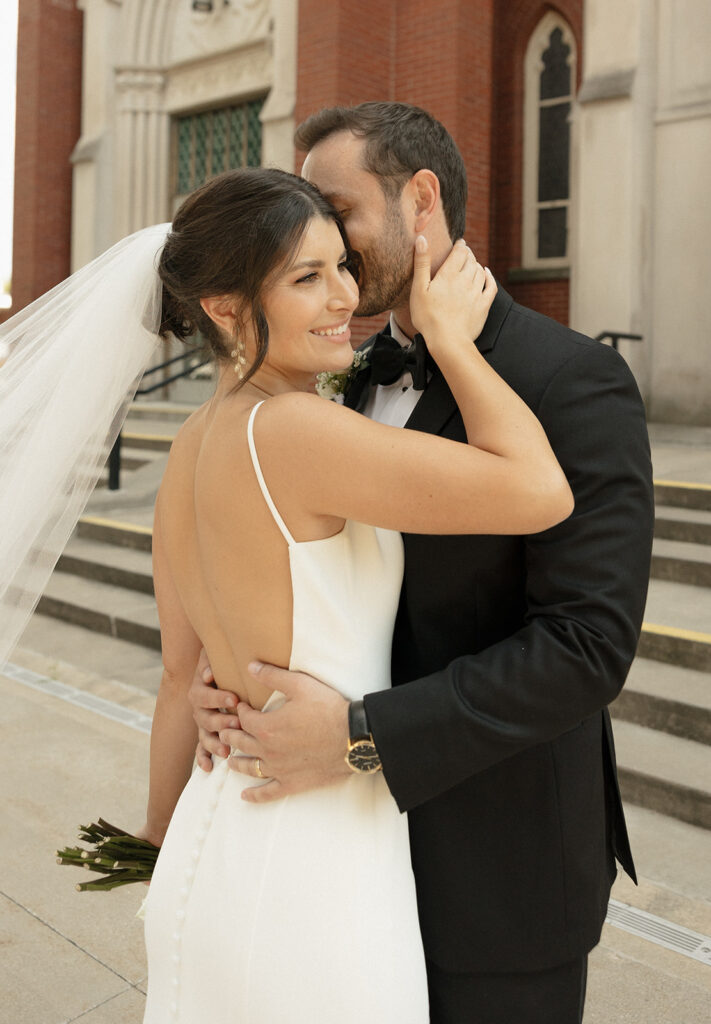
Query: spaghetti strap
[{"x": 260, "y": 478}]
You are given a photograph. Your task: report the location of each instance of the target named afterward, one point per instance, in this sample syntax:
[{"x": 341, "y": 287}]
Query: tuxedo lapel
[
  {"x": 495, "y": 321},
  {"x": 434, "y": 408},
  {"x": 357, "y": 394},
  {"x": 437, "y": 404}
]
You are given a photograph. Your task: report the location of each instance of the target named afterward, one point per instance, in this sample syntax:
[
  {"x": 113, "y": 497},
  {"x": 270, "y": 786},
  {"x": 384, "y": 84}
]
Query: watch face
[{"x": 363, "y": 757}]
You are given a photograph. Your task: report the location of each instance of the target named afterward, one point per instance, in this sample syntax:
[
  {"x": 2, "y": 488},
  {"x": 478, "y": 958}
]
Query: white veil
[{"x": 75, "y": 358}]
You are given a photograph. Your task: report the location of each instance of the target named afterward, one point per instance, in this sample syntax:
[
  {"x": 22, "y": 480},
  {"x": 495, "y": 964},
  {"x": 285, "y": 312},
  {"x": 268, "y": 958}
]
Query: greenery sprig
[
  {"x": 116, "y": 855},
  {"x": 334, "y": 385}
]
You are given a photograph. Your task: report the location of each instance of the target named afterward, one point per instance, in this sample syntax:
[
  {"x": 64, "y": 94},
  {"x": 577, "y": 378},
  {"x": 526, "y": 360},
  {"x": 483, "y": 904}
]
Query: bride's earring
[{"x": 238, "y": 354}]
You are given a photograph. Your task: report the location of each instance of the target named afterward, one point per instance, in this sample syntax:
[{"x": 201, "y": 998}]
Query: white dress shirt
[{"x": 393, "y": 404}]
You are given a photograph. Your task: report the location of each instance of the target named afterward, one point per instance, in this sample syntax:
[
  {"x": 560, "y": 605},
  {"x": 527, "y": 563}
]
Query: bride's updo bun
[{"x": 227, "y": 238}]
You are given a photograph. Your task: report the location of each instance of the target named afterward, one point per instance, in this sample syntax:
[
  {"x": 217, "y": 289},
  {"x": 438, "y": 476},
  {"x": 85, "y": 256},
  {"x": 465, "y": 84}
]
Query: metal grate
[
  {"x": 81, "y": 698},
  {"x": 207, "y": 143},
  {"x": 657, "y": 929}
]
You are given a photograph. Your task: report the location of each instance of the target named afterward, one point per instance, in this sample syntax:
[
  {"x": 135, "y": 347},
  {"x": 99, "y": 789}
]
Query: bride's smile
[{"x": 308, "y": 308}]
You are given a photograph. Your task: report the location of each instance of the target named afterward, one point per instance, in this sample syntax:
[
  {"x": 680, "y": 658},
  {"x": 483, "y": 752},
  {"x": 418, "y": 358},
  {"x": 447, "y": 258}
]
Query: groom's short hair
[{"x": 399, "y": 141}]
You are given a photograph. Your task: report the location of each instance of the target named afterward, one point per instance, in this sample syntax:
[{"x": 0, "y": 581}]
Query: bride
[{"x": 276, "y": 539}]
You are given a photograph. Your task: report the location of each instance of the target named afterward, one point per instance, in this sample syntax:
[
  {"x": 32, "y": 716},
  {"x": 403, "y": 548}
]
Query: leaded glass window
[
  {"x": 212, "y": 141},
  {"x": 550, "y": 81}
]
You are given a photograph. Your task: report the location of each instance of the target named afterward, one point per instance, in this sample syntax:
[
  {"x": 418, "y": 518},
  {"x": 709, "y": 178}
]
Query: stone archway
[{"x": 169, "y": 59}]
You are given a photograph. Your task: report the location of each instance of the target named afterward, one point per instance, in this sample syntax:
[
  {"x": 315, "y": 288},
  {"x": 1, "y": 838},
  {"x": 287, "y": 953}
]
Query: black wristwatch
[{"x": 362, "y": 756}]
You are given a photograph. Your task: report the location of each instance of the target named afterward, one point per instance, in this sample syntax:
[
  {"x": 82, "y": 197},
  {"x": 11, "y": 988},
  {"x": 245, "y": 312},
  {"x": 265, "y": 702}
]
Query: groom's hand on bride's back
[
  {"x": 295, "y": 747},
  {"x": 209, "y": 707}
]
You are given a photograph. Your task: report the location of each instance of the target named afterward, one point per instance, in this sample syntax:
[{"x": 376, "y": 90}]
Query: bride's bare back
[{"x": 218, "y": 541}]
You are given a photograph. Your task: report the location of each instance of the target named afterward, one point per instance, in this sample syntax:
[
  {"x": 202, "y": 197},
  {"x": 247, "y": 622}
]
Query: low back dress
[{"x": 300, "y": 911}]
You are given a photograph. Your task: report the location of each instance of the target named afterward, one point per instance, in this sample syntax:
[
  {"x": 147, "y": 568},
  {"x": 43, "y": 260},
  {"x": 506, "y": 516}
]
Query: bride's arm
[
  {"x": 174, "y": 733},
  {"x": 335, "y": 463}
]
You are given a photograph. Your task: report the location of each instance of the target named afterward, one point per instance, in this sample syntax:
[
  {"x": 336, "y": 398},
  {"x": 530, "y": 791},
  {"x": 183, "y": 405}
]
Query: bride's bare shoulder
[{"x": 299, "y": 409}]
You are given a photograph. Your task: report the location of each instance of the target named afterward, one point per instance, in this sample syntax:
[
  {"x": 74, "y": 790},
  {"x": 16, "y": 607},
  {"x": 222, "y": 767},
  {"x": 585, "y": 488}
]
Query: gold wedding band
[{"x": 258, "y": 768}]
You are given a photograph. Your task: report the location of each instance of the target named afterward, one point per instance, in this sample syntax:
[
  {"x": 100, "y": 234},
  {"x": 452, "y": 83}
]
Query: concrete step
[
  {"x": 668, "y": 698},
  {"x": 115, "y": 531},
  {"x": 677, "y": 626},
  {"x": 683, "y": 495},
  {"x": 144, "y": 425},
  {"x": 135, "y": 460},
  {"x": 102, "y": 608},
  {"x": 676, "y": 646},
  {"x": 108, "y": 563},
  {"x": 664, "y": 773},
  {"x": 129, "y": 464},
  {"x": 69, "y": 652},
  {"x": 681, "y": 562},
  {"x": 160, "y": 411},
  {"x": 154, "y": 442},
  {"x": 692, "y": 525}
]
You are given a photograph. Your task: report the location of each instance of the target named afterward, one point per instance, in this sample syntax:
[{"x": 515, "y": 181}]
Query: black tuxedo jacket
[{"x": 507, "y": 650}]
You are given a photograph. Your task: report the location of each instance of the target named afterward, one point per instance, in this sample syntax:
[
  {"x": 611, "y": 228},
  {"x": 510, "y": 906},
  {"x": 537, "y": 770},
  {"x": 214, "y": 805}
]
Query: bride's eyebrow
[
  {"x": 307, "y": 263},
  {"x": 313, "y": 264}
]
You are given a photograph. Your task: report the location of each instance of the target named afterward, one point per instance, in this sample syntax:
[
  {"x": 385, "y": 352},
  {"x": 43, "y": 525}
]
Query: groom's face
[{"x": 375, "y": 222}]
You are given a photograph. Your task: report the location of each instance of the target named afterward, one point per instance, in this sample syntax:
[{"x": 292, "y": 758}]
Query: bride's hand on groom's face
[
  {"x": 299, "y": 746},
  {"x": 209, "y": 706}
]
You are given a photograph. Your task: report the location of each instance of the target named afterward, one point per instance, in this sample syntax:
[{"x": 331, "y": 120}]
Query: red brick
[{"x": 47, "y": 128}]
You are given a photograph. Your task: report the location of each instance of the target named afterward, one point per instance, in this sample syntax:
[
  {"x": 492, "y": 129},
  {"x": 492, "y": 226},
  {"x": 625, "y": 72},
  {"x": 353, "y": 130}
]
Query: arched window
[{"x": 549, "y": 90}]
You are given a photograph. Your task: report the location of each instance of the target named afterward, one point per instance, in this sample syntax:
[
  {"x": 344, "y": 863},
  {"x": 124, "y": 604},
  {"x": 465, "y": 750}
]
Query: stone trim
[{"x": 615, "y": 86}]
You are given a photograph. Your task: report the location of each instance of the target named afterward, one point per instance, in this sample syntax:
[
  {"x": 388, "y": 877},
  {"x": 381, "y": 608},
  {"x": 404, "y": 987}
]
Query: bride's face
[{"x": 309, "y": 305}]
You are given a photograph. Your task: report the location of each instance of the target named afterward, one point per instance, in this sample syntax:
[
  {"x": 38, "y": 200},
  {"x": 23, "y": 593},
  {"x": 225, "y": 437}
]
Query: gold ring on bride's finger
[{"x": 258, "y": 768}]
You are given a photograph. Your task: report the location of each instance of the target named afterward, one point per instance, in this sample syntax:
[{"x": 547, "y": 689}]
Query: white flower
[
  {"x": 328, "y": 386},
  {"x": 334, "y": 386}
]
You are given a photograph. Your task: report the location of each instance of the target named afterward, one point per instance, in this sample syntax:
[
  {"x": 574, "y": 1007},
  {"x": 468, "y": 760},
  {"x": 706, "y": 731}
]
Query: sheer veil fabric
[{"x": 76, "y": 356}]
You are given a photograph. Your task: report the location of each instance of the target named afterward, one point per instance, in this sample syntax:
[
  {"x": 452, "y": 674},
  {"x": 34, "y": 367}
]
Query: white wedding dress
[{"x": 300, "y": 911}]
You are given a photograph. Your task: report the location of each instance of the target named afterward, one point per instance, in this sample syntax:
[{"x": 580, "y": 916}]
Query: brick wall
[
  {"x": 48, "y": 126},
  {"x": 439, "y": 59}
]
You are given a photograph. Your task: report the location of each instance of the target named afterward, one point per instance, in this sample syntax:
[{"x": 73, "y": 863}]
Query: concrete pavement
[{"x": 71, "y": 956}]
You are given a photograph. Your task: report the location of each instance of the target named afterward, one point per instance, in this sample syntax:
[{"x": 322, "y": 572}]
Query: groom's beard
[{"x": 386, "y": 274}]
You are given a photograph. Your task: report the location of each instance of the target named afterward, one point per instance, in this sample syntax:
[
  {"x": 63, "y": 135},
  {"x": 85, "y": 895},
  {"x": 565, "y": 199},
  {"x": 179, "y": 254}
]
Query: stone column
[
  {"x": 142, "y": 150},
  {"x": 681, "y": 251},
  {"x": 278, "y": 111},
  {"x": 613, "y": 178},
  {"x": 93, "y": 222}
]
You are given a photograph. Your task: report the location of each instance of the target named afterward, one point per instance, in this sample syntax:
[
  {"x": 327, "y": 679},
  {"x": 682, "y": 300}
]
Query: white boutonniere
[{"x": 335, "y": 386}]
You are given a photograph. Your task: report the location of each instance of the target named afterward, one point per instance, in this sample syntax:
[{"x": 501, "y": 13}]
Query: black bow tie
[{"x": 388, "y": 361}]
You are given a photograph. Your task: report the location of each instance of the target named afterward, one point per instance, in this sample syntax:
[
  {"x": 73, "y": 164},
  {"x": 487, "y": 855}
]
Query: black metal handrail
[
  {"x": 617, "y": 336},
  {"x": 114, "y": 462}
]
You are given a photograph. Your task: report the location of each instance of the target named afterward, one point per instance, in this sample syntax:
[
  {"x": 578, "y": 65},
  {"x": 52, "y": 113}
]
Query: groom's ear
[{"x": 425, "y": 194}]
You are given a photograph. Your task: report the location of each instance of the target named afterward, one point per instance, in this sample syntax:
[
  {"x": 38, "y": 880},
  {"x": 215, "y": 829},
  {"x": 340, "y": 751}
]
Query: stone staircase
[
  {"x": 662, "y": 718},
  {"x": 103, "y": 580},
  {"x": 663, "y": 715}
]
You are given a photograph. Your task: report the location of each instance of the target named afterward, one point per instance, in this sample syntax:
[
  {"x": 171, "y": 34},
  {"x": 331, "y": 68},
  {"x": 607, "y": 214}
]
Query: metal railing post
[
  {"x": 617, "y": 336},
  {"x": 115, "y": 465},
  {"x": 114, "y": 461}
]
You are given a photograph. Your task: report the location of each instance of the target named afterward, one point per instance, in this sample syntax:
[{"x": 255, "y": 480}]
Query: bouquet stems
[{"x": 117, "y": 856}]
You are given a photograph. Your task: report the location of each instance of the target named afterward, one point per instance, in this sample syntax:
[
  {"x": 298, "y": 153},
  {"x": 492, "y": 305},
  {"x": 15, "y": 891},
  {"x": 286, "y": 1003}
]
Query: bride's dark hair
[{"x": 227, "y": 238}]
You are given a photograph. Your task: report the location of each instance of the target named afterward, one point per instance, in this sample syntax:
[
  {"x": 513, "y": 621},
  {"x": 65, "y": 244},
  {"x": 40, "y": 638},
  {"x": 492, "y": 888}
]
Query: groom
[{"x": 495, "y": 736}]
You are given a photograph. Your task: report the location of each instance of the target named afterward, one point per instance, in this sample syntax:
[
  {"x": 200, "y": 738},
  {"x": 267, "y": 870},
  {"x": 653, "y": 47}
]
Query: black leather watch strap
[{"x": 358, "y": 727}]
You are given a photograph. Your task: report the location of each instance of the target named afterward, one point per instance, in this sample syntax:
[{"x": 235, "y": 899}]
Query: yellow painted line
[
  {"x": 679, "y": 483},
  {"x": 116, "y": 524},
  {"x": 147, "y": 437},
  {"x": 682, "y": 634}
]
